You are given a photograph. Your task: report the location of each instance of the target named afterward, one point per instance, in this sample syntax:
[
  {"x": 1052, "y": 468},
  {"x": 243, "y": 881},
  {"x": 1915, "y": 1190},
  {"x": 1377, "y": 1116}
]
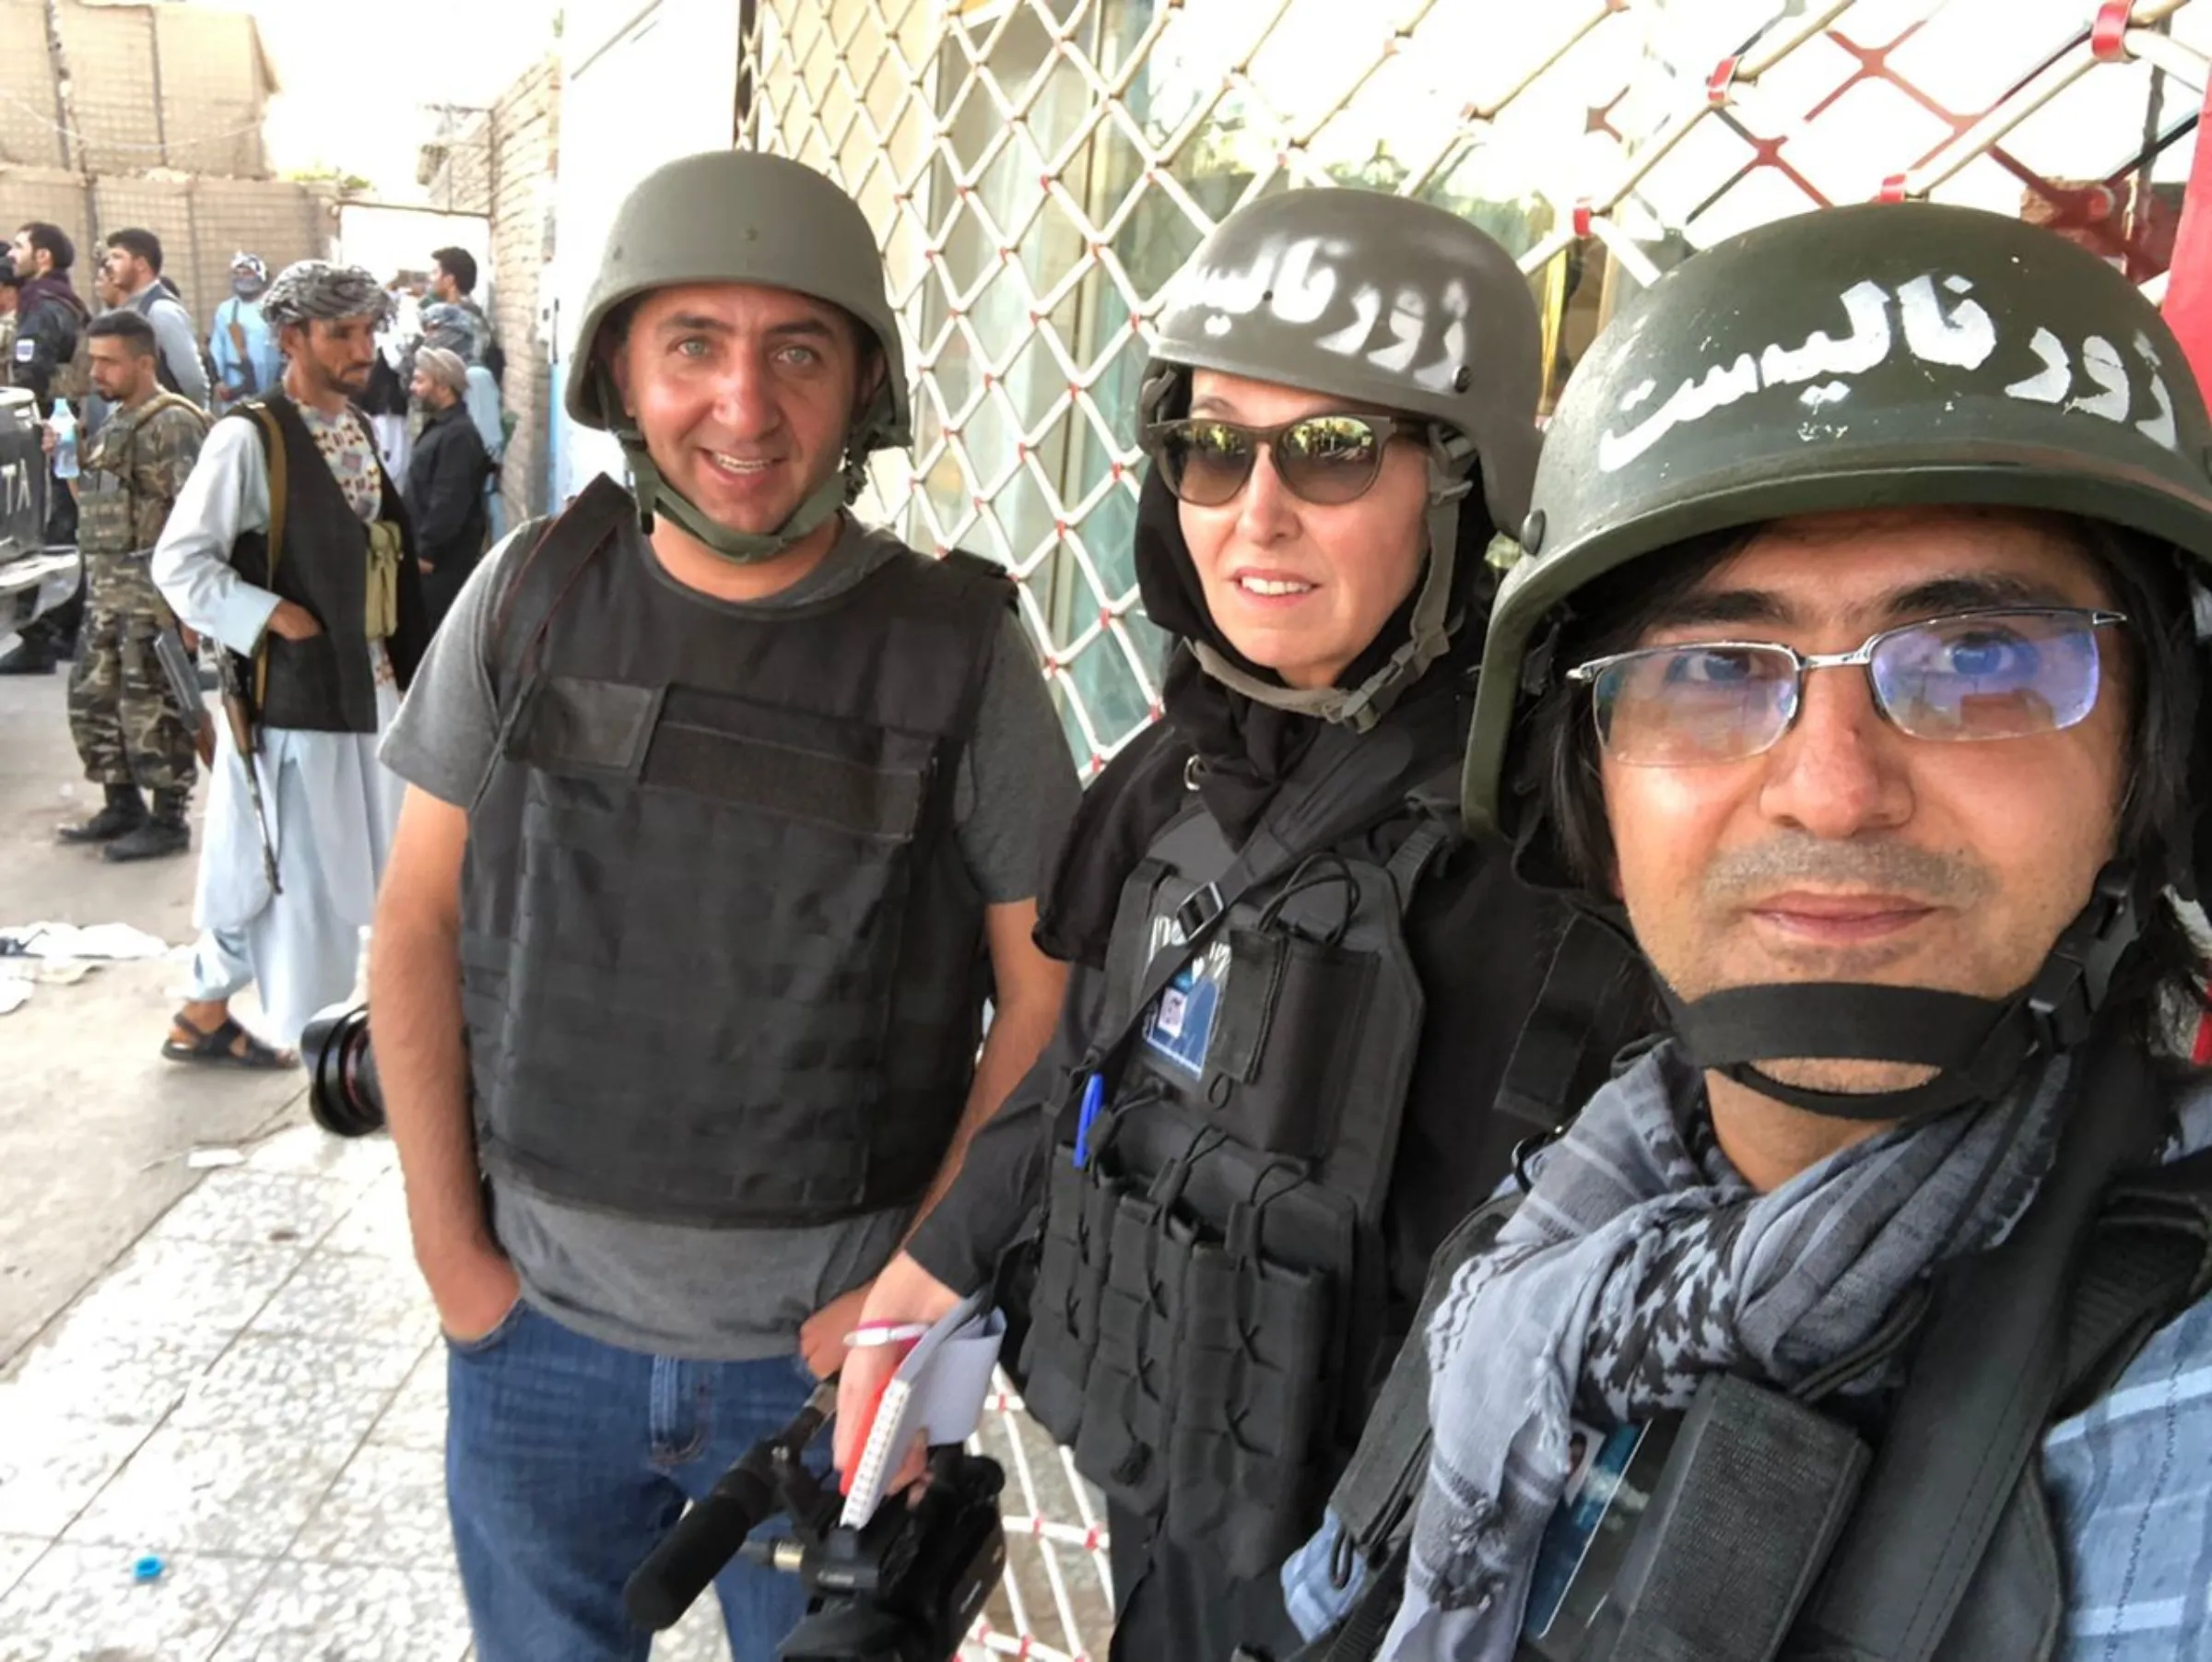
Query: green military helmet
[
  {"x": 742, "y": 217},
  {"x": 1383, "y": 300},
  {"x": 1884, "y": 355}
]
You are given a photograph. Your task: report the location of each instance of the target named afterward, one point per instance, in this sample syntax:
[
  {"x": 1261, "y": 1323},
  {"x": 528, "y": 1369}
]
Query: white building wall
[{"x": 642, "y": 84}]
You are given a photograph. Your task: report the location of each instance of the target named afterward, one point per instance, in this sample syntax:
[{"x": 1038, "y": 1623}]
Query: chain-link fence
[{"x": 1037, "y": 170}]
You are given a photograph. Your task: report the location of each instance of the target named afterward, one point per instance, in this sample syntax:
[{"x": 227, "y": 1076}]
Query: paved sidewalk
[
  {"x": 238, "y": 1370},
  {"x": 255, "y": 1393}
]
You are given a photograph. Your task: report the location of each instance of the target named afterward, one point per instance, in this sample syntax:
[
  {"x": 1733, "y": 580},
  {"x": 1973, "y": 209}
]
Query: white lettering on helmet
[
  {"x": 1957, "y": 334},
  {"x": 1963, "y": 338},
  {"x": 1868, "y": 343},
  {"x": 2054, "y": 380},
  {"x": 1402, "y": 330},
  {"x": 2159, "y": 428}
]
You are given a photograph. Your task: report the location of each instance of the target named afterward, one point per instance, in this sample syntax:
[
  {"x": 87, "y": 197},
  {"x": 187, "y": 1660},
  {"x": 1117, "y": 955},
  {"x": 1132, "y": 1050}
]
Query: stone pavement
[
  {"x": 254, "y": 1393},
  {"x": 237, "y": 1370}
]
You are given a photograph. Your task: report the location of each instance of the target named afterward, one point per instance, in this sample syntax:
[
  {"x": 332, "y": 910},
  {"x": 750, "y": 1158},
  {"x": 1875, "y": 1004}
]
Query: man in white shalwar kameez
[{"x": 326, "y": 627}]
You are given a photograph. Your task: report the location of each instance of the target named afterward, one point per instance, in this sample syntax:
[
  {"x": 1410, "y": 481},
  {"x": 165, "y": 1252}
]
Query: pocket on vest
[
  {"x": 1248, "y": 1393},
  {"x": 1064, "y": 1308},
  {"x": 1128, "y": 1404},
  {"x": 1279, "y": 1069}
]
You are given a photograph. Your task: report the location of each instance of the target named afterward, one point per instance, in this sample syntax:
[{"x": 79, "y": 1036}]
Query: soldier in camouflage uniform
[{"x": 129, "y": 730}]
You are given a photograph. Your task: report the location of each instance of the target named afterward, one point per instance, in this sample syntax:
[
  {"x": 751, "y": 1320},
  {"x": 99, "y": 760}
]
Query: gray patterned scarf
[{"x": 1640, "y": 1261}]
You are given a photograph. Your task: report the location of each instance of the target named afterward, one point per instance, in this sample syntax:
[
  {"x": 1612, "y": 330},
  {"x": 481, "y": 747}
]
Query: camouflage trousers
[{"x": 122, "y": 713}]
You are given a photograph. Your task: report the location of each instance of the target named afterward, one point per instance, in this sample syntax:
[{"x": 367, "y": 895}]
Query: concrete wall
[
  {"x": 165, "y": 86},
  {"x": 201, "y": 222},
  {"x": 160, "y": 128},
  {"x": 502, "y": 165},
  {"x": 29, "y": 112}
]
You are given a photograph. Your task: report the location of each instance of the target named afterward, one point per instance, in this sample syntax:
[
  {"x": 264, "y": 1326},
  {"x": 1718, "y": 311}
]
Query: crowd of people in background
[{"x": 127, "y": 388}]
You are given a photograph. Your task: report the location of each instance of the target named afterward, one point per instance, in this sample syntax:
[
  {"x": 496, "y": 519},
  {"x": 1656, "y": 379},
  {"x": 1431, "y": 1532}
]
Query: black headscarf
[{"x": 1244, "y": 750}]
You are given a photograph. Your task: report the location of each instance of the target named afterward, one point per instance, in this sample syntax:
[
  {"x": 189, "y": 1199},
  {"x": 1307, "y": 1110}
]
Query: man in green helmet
[
  {"x": 725, "y": 814},
  {"x": 1853, "y": 668}
]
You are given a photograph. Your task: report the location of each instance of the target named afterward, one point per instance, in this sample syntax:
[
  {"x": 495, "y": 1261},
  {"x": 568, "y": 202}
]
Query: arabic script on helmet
[
  {"x": 1406, "y": 329},
  {"x": 1940, "y": 324}
]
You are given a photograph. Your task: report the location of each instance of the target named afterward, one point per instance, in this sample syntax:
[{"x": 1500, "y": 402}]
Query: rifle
[
  {"x": 245, "y": 363},
  {"x": 238, "y": 711},
  {"x": 185, "y": 682}
]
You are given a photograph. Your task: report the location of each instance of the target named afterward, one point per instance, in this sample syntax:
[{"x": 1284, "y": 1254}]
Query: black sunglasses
[{"x": 1327, "y": 458}]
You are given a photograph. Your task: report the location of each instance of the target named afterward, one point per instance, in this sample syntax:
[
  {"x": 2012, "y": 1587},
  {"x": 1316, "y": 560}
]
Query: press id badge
[
  {"x": 1179, "y": 1028},
  {"x": 1610, "y": 1481}
]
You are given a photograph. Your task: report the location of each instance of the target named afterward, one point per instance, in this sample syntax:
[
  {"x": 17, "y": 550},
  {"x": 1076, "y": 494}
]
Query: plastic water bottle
[{"x": 64, "y": 440}]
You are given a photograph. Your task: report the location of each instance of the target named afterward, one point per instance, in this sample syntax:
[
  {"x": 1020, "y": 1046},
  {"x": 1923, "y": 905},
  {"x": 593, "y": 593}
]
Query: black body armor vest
[
  {"x": 1210, "y": 1289},
  {"x": 315, "y": 554},
  {"x": 722, "y": 962}
]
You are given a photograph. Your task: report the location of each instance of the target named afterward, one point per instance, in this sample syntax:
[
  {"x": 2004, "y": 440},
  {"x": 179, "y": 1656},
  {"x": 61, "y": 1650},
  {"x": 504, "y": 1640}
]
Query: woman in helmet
[{"x": 1272, "y": 1089}]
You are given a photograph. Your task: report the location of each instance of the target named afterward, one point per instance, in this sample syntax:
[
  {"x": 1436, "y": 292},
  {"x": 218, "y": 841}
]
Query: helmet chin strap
[
  {"x": 1978, "y": 1046},
  {"x": 1428, "y": 637},
  {"x": 656, "y": 495}
]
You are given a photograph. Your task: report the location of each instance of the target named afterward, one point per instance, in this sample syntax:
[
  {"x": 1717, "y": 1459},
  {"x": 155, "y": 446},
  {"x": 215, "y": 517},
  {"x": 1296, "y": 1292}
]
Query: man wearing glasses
[{"x": 1851, "y": 667}]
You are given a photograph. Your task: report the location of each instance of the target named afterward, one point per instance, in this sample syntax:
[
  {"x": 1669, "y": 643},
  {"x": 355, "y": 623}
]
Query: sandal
[{"x": 230, "y": 1046}]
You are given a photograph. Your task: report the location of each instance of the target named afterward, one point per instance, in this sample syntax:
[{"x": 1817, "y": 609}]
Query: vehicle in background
[{"x": 34, "y": 578}]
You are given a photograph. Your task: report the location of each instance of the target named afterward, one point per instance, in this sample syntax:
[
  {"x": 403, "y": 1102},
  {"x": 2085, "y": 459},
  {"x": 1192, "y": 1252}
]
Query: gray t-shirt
[{"x": 732, "y": 1294}]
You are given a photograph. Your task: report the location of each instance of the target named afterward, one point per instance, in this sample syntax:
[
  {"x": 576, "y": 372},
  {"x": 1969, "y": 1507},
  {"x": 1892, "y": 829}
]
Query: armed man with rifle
[
  {"x": 289, "y": 548},
  {"x": 135, "y": 732},
  {"x": 1851, "y": 668}
]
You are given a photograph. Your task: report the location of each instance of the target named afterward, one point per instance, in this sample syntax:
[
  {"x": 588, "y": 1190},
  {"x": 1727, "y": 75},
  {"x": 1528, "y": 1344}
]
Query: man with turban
[{"x": 291, "y": 549}]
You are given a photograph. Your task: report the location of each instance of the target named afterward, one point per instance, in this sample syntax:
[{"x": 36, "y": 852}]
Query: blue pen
[{"x": 1094, "y": 1099}]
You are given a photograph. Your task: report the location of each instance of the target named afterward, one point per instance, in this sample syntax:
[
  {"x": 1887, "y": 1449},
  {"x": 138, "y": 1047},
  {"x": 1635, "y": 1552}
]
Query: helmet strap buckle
[{"x": 2071, "y": 986}]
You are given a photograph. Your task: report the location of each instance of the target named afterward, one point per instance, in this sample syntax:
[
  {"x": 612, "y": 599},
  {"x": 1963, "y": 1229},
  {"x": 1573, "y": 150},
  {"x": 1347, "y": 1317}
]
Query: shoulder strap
[
  {"x": 2149, "y": 1260},
  {"x": 540, "y": 583},
  {"x": 992, "y": 587},
  {"x": 978, "y": 565},
  {"x": 1986, "y": 1375},
  {"x": 166, "y": 400},
  {"x": 1428, "y": 840},
  {"x": 1585, "y": 996},
  {"x": 271, "y": 435}
]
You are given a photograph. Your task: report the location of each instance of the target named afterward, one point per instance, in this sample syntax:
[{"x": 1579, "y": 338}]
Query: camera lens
[{"x": 343, "y": 1092}]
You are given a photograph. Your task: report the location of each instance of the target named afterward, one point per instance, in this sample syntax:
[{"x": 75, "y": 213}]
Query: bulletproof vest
[
  {"x": 108, "y": 510},
  {"x": 1816, "y": 1525},
  {"x": 722, "y": 962},
  {"x": 1210, "y": 1281},
  {"x": 315, "y": 553}
]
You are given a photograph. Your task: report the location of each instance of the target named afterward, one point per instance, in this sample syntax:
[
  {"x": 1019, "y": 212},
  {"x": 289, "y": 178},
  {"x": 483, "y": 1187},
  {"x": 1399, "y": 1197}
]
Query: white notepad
[{"x": 938, "y": 1389}]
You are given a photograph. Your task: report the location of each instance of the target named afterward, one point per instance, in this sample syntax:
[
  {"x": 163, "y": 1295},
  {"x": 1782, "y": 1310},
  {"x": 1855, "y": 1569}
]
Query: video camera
[{"x": 905, "y": 1586}]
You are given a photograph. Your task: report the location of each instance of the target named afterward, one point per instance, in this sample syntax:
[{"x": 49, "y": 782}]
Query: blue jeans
[{"x": 566, "y": 1462}]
